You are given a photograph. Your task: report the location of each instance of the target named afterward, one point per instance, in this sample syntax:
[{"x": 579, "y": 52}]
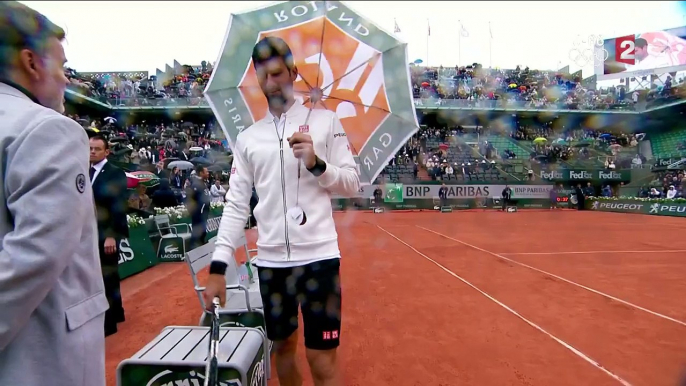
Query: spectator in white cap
[{"x": 671, "y": 192}]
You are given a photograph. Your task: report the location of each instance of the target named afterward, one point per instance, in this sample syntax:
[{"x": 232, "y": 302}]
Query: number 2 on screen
[{"x": 625, "y": 48}]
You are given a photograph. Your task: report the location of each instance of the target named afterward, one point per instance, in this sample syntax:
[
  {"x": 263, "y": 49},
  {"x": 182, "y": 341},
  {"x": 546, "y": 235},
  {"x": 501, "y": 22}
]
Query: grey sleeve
[{"x": 45, "y": 199}]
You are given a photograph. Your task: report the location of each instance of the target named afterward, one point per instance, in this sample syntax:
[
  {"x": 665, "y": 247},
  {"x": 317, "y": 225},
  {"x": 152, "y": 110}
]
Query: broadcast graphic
[{"x": 656, "y": 52}]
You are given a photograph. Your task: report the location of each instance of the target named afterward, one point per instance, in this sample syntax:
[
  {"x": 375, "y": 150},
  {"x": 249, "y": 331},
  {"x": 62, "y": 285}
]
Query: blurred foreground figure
[{"x": 52, "y": 299}]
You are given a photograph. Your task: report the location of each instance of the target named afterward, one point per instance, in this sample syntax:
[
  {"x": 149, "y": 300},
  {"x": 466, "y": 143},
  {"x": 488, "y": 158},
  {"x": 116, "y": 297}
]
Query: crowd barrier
[
  {"x": 434, "y": 204},
  {"x": 638, "y": 206}
]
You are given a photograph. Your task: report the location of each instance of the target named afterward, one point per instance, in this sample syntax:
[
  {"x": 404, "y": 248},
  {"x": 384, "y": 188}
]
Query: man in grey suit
[{"x": 52, "y": 300}]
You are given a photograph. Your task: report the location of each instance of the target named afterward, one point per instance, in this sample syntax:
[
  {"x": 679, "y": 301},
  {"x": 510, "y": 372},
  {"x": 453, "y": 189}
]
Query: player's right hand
[
  {"x": 215, "y": 287},
  {"x": 240, "y": 258}
]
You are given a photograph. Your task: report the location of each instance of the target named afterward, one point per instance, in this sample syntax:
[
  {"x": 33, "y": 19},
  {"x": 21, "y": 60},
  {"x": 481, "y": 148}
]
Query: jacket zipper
[{"x": 283, "y": 194}]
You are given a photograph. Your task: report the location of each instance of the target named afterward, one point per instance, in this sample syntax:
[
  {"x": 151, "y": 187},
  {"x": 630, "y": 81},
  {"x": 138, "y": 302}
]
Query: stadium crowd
[
  {"x": 475, "y": 86},
  {"x": 433, "y": 153},
  {"x": 468, "y": 86}
]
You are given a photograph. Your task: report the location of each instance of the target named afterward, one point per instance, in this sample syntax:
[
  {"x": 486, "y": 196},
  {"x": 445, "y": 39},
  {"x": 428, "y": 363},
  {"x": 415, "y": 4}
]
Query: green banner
[
  {"x": 586, "y": 175},
  {"x": 394, "y": 193},
  {"x": 433, "y": 204},
  {"x": 136, "y": 253},
  {"x": 665, "y": 208},
  {"x": 171, "y": 249}
]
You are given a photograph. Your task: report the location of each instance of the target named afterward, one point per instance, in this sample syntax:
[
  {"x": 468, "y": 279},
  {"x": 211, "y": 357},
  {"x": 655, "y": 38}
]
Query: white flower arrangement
[
  {"x": 665, "y": 200},
  {"x": 134, "y": 220},
  {"x": 174, "y": 213},
  {"x": 219, "y": 205}
]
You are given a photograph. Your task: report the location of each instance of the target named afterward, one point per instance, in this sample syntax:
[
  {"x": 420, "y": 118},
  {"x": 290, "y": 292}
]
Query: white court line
[
  {"x": 587, "y": 252},
  {"x": 560, "y": 278},
  {"x": 515, "y": 313}
]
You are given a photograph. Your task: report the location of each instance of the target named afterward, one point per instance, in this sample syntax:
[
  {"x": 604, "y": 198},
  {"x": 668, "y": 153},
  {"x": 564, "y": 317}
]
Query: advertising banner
[
  {"x": 136, "y": 253},
  {"x": 654, "y": 52},
  {"x": 638, "y": 207},
  {"x": 413, "y": 192},
  {"x": 598, "y": 175}
]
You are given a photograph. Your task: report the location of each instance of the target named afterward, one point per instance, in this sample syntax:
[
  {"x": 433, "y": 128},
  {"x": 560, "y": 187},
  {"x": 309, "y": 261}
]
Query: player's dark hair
[
  {"x": 640, "y": 42},
  {"x": 199, "y": 169},
  {"x": 23, "y": 28},
  {"x": 99, "y": 137},
  {"x": 270, "y": 48}
]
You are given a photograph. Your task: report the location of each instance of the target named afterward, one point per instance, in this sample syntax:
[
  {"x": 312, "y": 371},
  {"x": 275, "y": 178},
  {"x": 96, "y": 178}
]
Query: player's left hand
[{"x": 303, "y": 148}]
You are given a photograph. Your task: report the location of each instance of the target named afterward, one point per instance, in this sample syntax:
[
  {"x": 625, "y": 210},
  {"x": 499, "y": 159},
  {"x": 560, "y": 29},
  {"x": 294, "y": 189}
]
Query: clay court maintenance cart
[{"x": 178, "y": 356}]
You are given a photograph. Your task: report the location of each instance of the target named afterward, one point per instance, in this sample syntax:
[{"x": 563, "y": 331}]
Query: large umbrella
[
  {"x": 182, "y": 165},
  {"x": 131, "y": 181},
  {"x": 540, "y": 140},
  {"x": 145, "y": 178},
  {"x": 201, "y": 160},
  {"x": 344, "y": 61}
]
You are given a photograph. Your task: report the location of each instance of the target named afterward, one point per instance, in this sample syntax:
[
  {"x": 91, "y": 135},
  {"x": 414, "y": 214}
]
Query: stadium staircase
[{"x": 664, "y": 145}]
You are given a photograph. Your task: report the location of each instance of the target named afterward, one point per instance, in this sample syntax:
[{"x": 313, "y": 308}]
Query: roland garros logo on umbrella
[
  {"x": 359, "y": 70},
  {"x": 350, "y": 75}
]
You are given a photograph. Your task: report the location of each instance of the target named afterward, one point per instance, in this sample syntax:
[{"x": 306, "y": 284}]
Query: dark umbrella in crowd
[
  {"x": 219, "y": 167},
  {"x": 583, "y": 144},
  {"x": 118, "y": 139},
  {"x": 201, "y": 161}
]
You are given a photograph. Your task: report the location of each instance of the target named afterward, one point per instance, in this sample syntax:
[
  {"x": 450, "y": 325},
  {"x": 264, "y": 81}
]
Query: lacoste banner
[
  {"x": 171, "y": 249},
  {"x": 136, "y": 253}
]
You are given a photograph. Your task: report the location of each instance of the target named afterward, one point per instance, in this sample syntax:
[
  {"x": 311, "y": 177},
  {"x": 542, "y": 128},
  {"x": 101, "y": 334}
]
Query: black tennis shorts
[{"x": 316, "y": 288}]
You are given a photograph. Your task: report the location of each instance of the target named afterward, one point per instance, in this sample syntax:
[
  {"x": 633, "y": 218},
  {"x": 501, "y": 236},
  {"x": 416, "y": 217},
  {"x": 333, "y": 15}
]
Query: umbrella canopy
[
  {"x": 201, "y": 160},
  {"x": 606, "y": 135},
  {"x": 182, "y": 165},
  {"x": 345, "y": 64},
  {"x": 218, "y": 167},
  {"x": 540, "y": 140},
  {"x": 147, "y": 179},
  {"x": 118, "y": 139},
  {"x": 582, "y": 144},
  {"x": 131, "y": 181},
  {"x": 196, "y": 148}
]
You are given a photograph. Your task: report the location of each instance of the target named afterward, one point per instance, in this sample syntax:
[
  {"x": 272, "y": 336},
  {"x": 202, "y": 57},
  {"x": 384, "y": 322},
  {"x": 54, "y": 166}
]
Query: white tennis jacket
[{"x": 262, "y": 156}]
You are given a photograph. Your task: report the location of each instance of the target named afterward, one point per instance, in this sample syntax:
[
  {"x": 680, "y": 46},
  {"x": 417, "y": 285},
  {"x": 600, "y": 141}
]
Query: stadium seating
[
  {"x": 669, "y": 144},
  {"x": 504, "y": 143},
  {"x": 467, "y": 163}
]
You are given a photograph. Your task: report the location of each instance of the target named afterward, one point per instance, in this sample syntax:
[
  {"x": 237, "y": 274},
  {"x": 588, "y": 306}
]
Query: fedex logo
[{"x": 625, "y": 49}]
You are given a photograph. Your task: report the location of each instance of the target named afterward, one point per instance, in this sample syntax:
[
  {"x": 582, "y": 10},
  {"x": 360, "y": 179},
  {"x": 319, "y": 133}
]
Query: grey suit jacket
[{"x": 52, "y": 299}]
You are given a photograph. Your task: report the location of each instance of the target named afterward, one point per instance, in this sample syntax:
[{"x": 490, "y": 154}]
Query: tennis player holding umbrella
[{"x": 293, "y": 151}]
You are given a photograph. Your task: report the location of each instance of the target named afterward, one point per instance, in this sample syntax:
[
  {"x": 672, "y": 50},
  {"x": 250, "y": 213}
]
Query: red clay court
[{"x": 481, "y": 298}]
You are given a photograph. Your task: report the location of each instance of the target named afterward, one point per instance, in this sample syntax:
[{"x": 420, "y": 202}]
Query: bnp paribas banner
[
  {"x": 639, "y": 207},
  {"x": 410, "y": 192}
]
